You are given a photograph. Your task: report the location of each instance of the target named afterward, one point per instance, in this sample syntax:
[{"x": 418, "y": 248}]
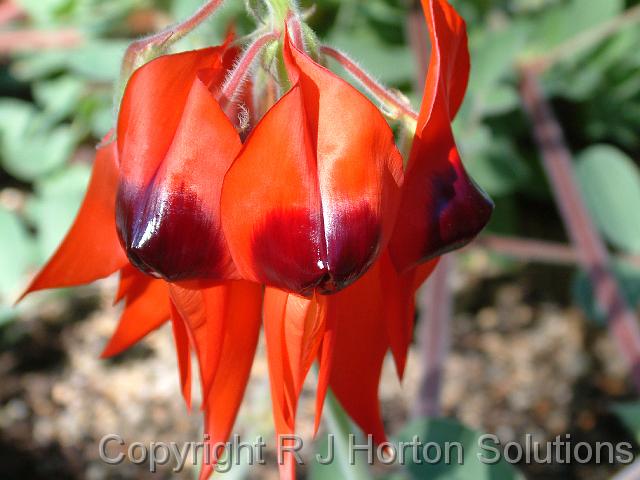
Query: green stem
[{"x": 280, "y": 10}]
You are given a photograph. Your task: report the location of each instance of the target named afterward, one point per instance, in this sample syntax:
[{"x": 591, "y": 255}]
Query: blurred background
[{"x": 525, "y": 347}]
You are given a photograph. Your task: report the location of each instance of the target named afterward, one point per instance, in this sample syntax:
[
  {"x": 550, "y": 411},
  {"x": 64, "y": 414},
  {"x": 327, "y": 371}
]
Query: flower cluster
[{"x": 249, "y": 187}]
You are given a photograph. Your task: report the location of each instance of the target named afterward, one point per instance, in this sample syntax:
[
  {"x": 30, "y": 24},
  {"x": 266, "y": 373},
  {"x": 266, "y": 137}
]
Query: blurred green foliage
[{"x": 55, "y": 102}]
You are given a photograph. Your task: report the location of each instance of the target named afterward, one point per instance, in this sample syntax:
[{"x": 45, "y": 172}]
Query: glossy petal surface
[
  {"x": 91, "y": 249},
  {"x": 324, "y": 186},
  {"x": 175, "y": 145},
  {"x": 442, "y": 208}
]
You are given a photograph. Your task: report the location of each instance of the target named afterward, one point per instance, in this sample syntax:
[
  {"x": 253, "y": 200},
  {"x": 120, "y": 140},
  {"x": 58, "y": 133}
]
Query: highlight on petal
[
  {"x": 147, "y": 307},
  {"x": 175, "y": 145},
  {"x": 91, "y": 249},
  {"x": 325, "y": 186},
  {"x": 442, "y": 208},
  {"x": 222, "y": 323},
  {"x": 294, "y": 330}
]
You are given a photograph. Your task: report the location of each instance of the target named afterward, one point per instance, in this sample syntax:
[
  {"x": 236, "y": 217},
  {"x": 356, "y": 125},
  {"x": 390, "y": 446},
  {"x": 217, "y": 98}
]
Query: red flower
[
  {"x": 310, "y": 201},
  {"x": 441, "y": 209},
  {"x": 171, "y": 130},
  {"x": 312, "y": 205},
  {"x": 153, "y": 173}
]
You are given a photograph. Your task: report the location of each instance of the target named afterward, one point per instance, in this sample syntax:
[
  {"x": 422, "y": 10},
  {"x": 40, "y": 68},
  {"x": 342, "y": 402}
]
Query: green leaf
[
  {"x": 28, "y": 149},
  {"x": 564, "y": 21},
  {"x": 44, "y": 11},
  {"x": 492, "y": 162},
  {"x": 58, "y": 97},
  {"x": 610, "y": 182},
  {"x": 629, "y": 414},
  {"x": 17, "y": 254},
  {"x": 340, "y": 427},
  {"x": 479, "y": 459},
  {"x": 499, "y": 100},
  {"x": 392, "y": 65},
  {"x": 98, "y": 60},
  {"x": 493, "y": 54},
  {"x": 55, "y": 205}
]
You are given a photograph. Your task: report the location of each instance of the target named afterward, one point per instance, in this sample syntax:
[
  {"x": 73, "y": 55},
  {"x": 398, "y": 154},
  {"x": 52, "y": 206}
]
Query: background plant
[{"x": 61, "y": 57}]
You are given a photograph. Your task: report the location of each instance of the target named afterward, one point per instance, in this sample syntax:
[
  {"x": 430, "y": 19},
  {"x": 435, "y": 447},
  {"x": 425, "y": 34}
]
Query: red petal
[
  {"x": 175, "y": 145},
  {"x": 183, "y": 352},
  {"x": 442, "y": 209},
  {"x": 325, "y": 360},
  {"x": 205, "y": 315},
  {"x": 325, "y": 186},
  {"x": 361, "y": 343},
  {"x": 294, "y": 328},
  {"x": 225, "y": 377},
  {"x": 400, "y": 290},
  {"x": 147, "y": 307},
  {"x": 91, "y": 249}
]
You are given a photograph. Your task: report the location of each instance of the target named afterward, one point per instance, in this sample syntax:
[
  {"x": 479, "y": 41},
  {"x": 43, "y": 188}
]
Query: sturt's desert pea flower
[
  {"x": 442, "y": 209},
  {"x": 255, "y": 188}
]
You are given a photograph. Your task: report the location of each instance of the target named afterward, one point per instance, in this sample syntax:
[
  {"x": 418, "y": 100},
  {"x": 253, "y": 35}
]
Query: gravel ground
[{"x": 521, "y": 361}]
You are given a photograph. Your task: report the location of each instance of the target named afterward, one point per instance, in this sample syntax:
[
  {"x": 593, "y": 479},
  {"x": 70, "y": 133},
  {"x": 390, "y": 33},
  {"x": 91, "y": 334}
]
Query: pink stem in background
[
  {"x": 418, "y": 36},
  {"x": 591, "y": 249},
  {"x": 532, "y": 250},
  {"x": 435, "y": 302},
  {"x": 369, "y": 83},
  {"x": 26, "y": 40}
]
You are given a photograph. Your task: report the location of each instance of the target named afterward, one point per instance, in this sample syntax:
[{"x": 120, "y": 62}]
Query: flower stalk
[
  {"x": 149, "y": 47},
  {"x": 236, "y": 78},
  {"x": 381, "y": 93}
]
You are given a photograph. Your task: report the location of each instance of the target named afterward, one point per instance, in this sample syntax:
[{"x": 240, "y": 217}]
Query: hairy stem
[
  {"x": 145, "y": 46},
  {"x": 384, "y": 95},
  {"x": 238, "y": 75}
]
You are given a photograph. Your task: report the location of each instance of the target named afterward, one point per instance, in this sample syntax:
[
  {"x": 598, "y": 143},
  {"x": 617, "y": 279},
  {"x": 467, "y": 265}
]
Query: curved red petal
[
  {"x": 205, "y": 315},
  {"x": 325, "y": 186},
  {"x": 294, "y": 329},
  {"x": 400, "y": 290},
  {"x": 91, "y": 249},
  {"x": 183, "y": 353},
  {"x": 442, "y": 208},
  {"x": 243, "y": 302},
  {"x": 147, "y": 307},
  {"x": 361, "y": 342},
  {"x": 175, "y": 145},
  {"x": 209, "y": 313},
  {"x": 325, "y": 359}
]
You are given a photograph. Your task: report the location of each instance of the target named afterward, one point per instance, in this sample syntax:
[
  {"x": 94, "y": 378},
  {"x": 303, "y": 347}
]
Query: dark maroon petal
[
  {"x": 170, "y": 235},
  {"x": 290, "y": 250}
]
